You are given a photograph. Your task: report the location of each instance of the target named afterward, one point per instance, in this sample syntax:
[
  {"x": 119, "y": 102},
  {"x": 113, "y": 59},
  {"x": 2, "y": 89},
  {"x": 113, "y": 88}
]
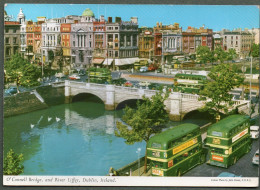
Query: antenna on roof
[{"x": 98, "y": 11}]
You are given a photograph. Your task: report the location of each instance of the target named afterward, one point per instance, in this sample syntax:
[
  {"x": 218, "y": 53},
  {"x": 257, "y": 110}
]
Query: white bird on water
[
  {"x": 32, "y": 126},
  {"x": 49, "y": 118},
  {"x": 57, "y": 119}
]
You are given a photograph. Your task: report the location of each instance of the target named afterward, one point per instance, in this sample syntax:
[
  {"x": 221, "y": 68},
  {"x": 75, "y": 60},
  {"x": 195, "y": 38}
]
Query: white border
[{"x": 129, "y": 181}]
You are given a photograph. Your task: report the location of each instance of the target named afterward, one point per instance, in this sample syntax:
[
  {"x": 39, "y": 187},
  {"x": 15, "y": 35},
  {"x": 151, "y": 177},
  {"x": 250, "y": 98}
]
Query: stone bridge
[{"x": 177, "y": 104}]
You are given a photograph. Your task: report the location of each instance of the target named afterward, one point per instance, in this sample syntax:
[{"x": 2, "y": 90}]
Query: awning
[
  {"x": 107, "y": 62},
  {"x": 126, "y": 61},
  {"x": 98, "y": 61}
]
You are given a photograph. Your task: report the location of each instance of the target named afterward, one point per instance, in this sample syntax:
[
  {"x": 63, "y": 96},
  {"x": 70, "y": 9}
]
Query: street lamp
[
  {"x": 138, "y": 153},
  {"x": 250, "y": 85}
]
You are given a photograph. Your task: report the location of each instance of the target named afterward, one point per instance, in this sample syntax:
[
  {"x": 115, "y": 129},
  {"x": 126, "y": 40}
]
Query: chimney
[
  {"x": 101, "y": 18},
  {"x": 118, "y": 20},
  {"x": 109, "y": 19},
  {"x": 134, "y": 20}
]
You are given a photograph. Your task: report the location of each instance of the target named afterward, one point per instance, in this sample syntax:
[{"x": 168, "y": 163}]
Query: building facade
[
  {"x": 99, "y": 34},
  {"x": 146, "y": 43},
  {"x": 11, "y": 39},
  {"x": 239, "y": 40}
]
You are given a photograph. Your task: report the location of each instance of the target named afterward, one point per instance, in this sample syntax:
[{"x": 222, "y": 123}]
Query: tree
[
  {"x": 50, "y": 57},
  {"x": 219, "y": 54},
  {"x": 12, "y": 163},
  {"x": 223, "y": 80},
  {"x": 231, "y": 54},
  {"x": 255, "y": 50},
  {"x": 30, "y": 75},
  {"x": 203, "y": 54},
  {"x": 21, "y": 71},
  {"x": 141, "y": 123}
]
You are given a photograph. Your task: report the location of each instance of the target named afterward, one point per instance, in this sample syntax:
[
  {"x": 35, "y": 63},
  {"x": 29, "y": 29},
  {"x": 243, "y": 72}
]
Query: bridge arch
[
  {"x": 84, "y": 96},
  {"x": 130, "y": 102}
]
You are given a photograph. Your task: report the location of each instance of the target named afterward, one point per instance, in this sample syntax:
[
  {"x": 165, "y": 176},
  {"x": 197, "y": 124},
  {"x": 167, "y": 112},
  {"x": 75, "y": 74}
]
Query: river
[{"x": 71, "y": 139}]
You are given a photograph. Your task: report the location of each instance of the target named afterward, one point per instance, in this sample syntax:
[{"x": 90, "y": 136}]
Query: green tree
[
  {"x": 21, "y": 71},
  {"x": 30, "y": 75},
  {"x": 204, "y": 55},
  {"x": 12, "y": 163},
  {"x": 219, "y": 54},
  {"x": 255, "y": 50},
  {"x": 231, "y": 54},
  {"x": 141, "y": 123},
  {"x": 50, "y": 57},
  {"x": 223, "y": 80}
]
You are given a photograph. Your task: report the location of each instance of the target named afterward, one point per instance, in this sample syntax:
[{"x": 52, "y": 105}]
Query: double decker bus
[
  {"x": 176, "y": 150},
  {"x": 189, "y": 83},
  {"x": 228, "y": 140}
]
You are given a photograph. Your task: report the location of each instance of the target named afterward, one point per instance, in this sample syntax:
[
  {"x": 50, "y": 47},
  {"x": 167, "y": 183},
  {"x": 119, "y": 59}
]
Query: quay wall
[{"x": 26, "y": 102}]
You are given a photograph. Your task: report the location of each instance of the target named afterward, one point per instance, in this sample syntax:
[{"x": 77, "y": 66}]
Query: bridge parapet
[{"x": 177, "y": 104}]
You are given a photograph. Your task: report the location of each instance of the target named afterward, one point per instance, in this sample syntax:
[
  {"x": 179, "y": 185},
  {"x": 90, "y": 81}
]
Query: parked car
[
  {"x": 144, "y": 83},
  {"x": 255, "y": 159},
  {"x": 74, "y": 77},
  {"x": 59, "y": 75},
  {"x": 11, "y": 90},
  {"x": 128, "y": 84},
  {"x": 227, "y": 174},
  {"x": 254, "y": 131},
  {"x": 119, "y": 81},
  {"x": 82, "y": 73},
  {"x": 144, "y": 69}
]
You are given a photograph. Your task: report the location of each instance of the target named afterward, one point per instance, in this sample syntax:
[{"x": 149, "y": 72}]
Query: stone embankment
[{"x": 40, "y": 98}]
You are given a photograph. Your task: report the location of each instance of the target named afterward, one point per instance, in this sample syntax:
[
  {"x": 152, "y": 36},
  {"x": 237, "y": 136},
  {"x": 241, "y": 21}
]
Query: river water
[{"x": 71, "y": 139}]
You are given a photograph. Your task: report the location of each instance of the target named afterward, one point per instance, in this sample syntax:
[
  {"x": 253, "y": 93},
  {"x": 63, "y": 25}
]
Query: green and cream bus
[
  {"x": 228, "y": 140},
  {"x": 189, "y": 83},
  {"x": 176, "y": 150}
]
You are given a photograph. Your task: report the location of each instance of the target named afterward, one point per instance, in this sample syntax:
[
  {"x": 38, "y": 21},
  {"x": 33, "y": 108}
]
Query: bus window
[
  {"x": 217, "y": 150},
  {"x": 157, "y": 164},
  {"x": 156, "y": 145}
]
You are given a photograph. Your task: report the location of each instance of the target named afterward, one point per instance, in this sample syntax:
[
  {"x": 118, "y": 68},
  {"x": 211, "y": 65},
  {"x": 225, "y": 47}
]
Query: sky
[{"x": 216, "y": 17}]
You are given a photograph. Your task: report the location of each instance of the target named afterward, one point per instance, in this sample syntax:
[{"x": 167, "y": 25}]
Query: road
[{"x": 243, "y": 167}]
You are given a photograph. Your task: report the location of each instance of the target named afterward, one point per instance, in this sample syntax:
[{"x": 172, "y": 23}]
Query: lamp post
[
  {"x": 243, "y": 69},
  {"x": 138, "y": 153},
  {"x": 250, "y": 85}
]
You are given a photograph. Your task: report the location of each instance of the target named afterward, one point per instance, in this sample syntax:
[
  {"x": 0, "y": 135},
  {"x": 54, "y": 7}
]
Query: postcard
[{"x": 131, "y": 95}]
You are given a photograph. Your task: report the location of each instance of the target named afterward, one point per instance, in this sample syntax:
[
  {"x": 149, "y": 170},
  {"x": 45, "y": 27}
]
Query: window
[
  {"x": 14, "y": 40},
  {"x": 6, "y": 30},
  {"x": 14, "y": 30},
  {"x": 7, "y": 40}
]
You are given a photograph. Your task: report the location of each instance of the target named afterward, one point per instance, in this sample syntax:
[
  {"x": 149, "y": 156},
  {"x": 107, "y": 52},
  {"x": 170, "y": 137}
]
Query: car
[
  {"x": 255, "y": 159},
  {"x": 144, "y": 69},
  {"x": 59, "y": 75},
  {"x": 254, "y": 131},
  {"x": 119, "y": 81},
  {"x": 11, "y": 90},
  {"x": 144, "y": 83},
  {"x": 82, "y": 73},
  {"x": 74, "y": 77},
  {"x": 227, "y": 174},
  {"x": 128, "y": 84}
]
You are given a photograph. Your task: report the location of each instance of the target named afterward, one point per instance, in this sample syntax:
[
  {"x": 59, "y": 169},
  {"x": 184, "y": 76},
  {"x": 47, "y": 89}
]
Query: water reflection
[{"x": 80, "y": 143}]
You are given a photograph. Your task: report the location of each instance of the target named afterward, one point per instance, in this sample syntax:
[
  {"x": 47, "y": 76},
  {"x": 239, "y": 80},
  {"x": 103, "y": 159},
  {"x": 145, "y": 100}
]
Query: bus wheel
[
  {"x": 179, "y": 172},
  {"x": 235, "y": 160},
  {"x": 202, "y": 159}
]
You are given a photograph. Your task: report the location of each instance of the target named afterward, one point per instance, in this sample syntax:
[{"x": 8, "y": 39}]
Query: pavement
[{"x": 141, "y": 172}]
